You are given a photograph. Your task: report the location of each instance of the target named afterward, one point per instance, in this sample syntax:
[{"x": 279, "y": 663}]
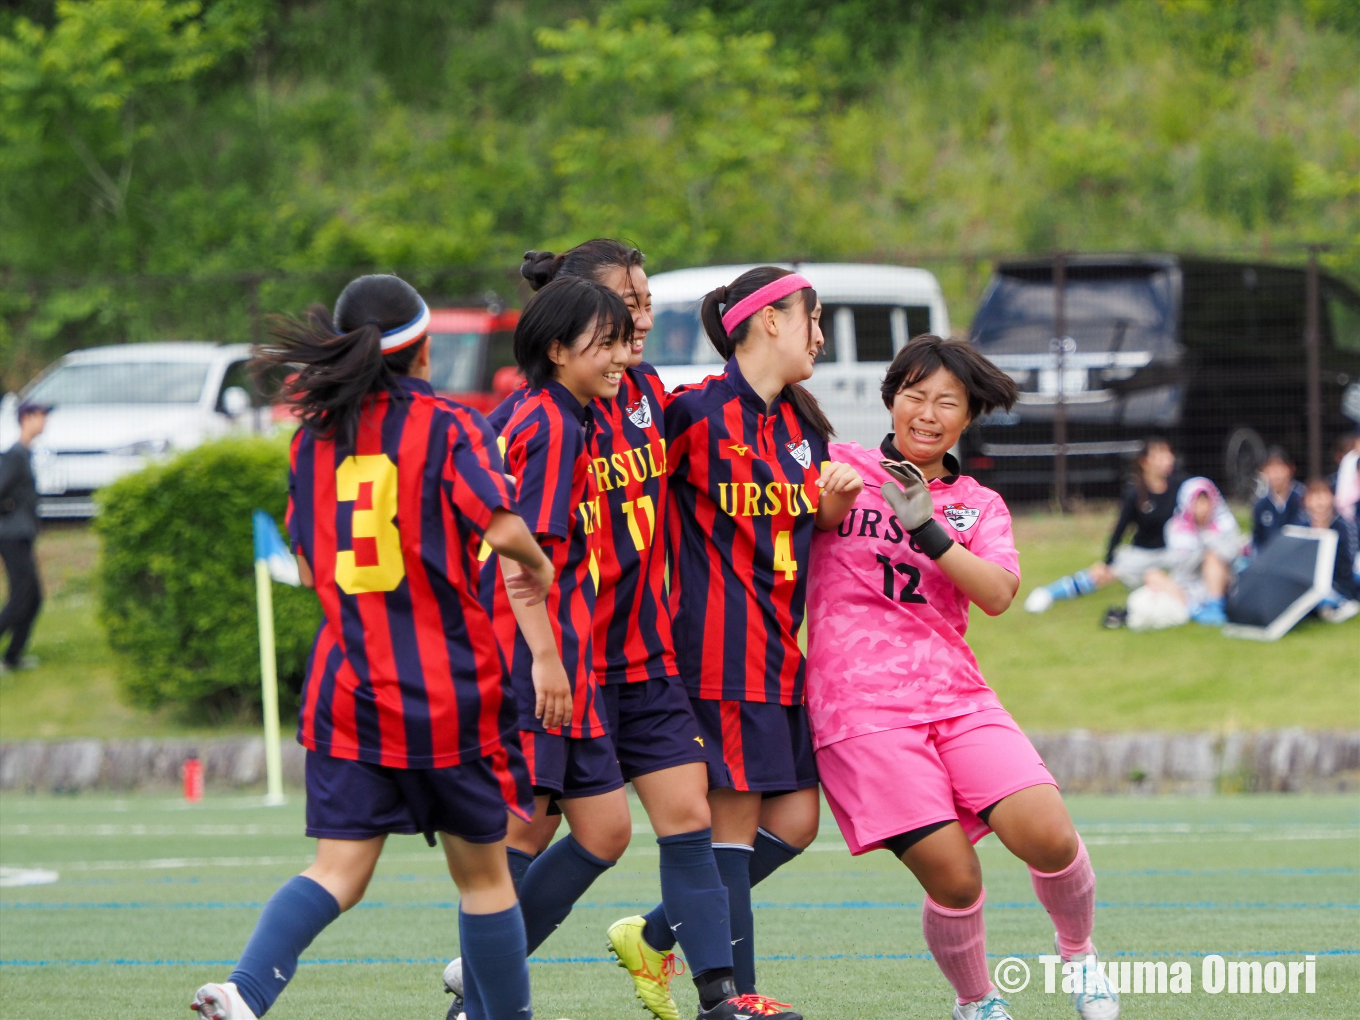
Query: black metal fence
[{"x": 1225, "y": 354}]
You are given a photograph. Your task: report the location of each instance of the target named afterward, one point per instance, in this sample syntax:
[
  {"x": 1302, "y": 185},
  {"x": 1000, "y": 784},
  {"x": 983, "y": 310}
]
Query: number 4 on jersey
[{"x": 783, "y": 555}]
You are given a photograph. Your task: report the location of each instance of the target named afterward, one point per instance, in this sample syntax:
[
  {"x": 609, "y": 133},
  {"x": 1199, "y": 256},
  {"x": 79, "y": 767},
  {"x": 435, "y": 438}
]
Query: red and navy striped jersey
[
  {"x": 500, "y": 414},
  {"x": 628, "y": 461},
  {"x": 405, "y": 671},
  {"x": 547, "y": 451},
  {"x": 744, "y": 497}
]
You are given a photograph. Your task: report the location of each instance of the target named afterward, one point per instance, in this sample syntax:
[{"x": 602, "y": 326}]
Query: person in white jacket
[{"x": 1202, "y": 541}]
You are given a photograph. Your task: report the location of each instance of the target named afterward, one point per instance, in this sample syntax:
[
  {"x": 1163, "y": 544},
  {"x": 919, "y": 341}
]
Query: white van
[
  {"x": 116, "y": 408},
  {"x": 868, "y": 314}
]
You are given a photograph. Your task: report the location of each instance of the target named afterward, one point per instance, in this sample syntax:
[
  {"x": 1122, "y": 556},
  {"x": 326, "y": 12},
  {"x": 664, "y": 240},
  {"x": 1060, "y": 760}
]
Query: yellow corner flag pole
[{"x": 269, "y": 679}]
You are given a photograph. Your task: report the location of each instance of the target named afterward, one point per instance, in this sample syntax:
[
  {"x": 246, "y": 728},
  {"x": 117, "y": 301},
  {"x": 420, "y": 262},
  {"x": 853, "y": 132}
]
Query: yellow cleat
[{"x": 651, "y": 971}]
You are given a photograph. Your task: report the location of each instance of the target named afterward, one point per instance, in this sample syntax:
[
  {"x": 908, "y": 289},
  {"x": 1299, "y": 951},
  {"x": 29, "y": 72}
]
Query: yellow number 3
[{"x": 375, "y": 562}]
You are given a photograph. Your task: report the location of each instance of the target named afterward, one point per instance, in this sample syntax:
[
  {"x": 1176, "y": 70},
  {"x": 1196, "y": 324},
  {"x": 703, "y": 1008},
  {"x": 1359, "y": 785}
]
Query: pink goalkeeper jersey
[{"x": 885, "y": 625}]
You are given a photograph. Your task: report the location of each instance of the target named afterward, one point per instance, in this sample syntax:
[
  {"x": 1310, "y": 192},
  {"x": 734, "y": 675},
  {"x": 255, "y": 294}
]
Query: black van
[{"x": 1208, "y": 353}]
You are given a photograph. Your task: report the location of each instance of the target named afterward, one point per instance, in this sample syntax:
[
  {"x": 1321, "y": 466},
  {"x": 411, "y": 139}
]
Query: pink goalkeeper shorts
[{"x": 883, "y": 784}]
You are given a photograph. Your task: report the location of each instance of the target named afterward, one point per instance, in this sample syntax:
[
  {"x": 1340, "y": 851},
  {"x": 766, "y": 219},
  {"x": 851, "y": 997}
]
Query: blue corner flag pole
[{"x": 272, "y": 563}]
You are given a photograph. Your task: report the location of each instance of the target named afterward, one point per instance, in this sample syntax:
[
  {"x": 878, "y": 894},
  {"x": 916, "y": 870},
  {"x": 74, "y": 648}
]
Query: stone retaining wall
[{"x": 1083, "y": 762}]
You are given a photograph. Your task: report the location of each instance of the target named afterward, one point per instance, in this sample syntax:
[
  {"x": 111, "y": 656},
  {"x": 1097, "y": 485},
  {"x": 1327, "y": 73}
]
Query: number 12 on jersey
[{"x": 912, "y": 575}]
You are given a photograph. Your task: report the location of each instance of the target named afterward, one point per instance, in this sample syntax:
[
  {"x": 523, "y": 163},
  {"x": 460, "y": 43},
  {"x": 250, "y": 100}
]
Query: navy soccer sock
[
  {"x": 696, "y": 900},
  {"x": 771, "y": 854},
  {"x": 294, "y": 915},
  {"x": 657, "y": 930},
  {"x": 734, "y": 864},
  {"x": 519, "y": 862},
  {"x": 559, "y": 876},
  {"x": 495, "y": 965}
]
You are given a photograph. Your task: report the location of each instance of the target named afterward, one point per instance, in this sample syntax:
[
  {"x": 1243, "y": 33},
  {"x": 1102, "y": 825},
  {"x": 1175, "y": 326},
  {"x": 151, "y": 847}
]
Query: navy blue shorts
[
  {"x": 356, "y": 800},
  {"x": 652, "y": 725},
  {"x": 567, "y": 767},
  {"x": 756, "y": 746}
]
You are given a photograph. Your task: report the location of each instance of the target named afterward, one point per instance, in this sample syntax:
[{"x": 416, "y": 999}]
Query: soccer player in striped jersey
[
  {"x": 749, "y": 482},
  {"x": 572, "y": 344},
  {"x": 657, "y": 739},
  {"x": 407, "y": 720},
  {"x": 894, "y": 691}
]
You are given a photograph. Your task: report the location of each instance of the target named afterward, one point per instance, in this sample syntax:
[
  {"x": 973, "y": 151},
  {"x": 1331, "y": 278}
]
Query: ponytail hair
[
  {"x": 336, "y": 361},
  {"x": 561, "y": 312},
  {"x": 590, "y": 260},
  {"x": 720, "y": 298}
]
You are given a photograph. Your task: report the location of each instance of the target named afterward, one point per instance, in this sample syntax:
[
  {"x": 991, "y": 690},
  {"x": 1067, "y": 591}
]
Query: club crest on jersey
[
  {"x": 640, "y": 414},
  {"x": 802, "y": 453},
  {"x": 960, "y": 516}
]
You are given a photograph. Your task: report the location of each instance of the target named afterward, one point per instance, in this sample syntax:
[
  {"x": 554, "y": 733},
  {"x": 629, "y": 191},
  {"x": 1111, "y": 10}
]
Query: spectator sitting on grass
[
  {"x": 1320, "y": 504},
  {"x": 1202, "y": 541},
  {"x": 1346, "y": 481},
  {"x": 1148, "y": 501},
  {"x": 1282, "y": 502}
]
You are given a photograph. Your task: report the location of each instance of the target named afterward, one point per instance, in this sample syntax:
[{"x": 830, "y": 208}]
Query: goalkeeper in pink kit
[{"x": 915, "y": 752}]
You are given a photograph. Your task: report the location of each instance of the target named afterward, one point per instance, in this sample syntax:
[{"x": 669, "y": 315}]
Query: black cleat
[{"x": 747, "y": 1007}]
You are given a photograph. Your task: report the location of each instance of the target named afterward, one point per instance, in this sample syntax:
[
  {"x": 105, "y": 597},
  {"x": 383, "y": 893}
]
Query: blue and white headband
[{"x": 396, "y": 339}]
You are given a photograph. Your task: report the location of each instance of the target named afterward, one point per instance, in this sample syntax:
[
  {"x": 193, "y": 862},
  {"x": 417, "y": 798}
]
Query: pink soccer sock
[
  {"x": 1069, "y": 896},
  {"x": 958, "y": 941}
]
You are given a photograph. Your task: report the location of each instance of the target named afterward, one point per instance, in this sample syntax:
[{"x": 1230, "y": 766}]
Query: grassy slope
[
  {"x": 838, "y": 936},
  {"x": 1054, "y": 672},
  {"x": 1061, "y": 670},
  {"x": 75, "y": 690}
]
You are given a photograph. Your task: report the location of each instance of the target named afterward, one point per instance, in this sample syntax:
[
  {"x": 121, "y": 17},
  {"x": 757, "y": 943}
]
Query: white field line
[
  {"x": 435, "y": 858},
  {"x": 111, "y": 830},
  {"x": 1126, "y": 831}
]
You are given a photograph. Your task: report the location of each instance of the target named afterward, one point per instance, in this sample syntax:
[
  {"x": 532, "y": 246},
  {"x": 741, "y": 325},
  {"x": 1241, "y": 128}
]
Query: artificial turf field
[{"x": 155, "y": 897}]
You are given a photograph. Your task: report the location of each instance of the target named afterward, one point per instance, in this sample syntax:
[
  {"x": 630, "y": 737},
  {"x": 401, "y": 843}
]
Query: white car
[
  {"x": 868, "y": 313},
  {"x": 115, "y": 408}
]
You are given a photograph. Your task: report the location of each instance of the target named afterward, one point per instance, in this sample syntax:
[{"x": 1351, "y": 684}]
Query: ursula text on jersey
[
  {"x": 744, "y": 499},
  {"x": 547, "y": 451},
  {"x": 405, "y": 671},
  {"x": 886, "y": 625},
  {"x": 628, "y": 465}
]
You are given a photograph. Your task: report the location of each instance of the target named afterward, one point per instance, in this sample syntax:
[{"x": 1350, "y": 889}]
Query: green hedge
[{"x": 177, "y": 580}]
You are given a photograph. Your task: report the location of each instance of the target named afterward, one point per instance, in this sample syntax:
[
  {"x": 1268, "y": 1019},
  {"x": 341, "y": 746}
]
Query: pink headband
[{"x": 774, "y": 291}]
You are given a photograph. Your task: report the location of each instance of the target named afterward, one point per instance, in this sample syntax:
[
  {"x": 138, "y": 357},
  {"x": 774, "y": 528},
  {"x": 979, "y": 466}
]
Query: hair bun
[
  {"x": 720, "y": 294},
  {"x": 539, "y": 267}
]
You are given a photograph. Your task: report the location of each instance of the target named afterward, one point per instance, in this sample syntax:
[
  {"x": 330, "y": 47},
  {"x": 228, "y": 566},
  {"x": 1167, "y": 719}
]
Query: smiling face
[
  {"x": 929, "y": 416},
  {"x": 797, "y": 337},
  {"x": 630, "y": 283},
  {"x": 592, "y": 366}
]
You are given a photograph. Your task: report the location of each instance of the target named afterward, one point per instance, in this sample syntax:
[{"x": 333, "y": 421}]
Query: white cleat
[
  {"x": 221, "y": 1002},
  {"x": 990, "y": 1007},
  {"x": 453, "y": 984},
  {"x": 1040, "y": 600},
  {"x": 1097, "y": 999}
]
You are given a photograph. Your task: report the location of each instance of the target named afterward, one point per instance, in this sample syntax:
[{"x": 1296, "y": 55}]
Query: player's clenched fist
[{"x": 839, "y": 479}]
